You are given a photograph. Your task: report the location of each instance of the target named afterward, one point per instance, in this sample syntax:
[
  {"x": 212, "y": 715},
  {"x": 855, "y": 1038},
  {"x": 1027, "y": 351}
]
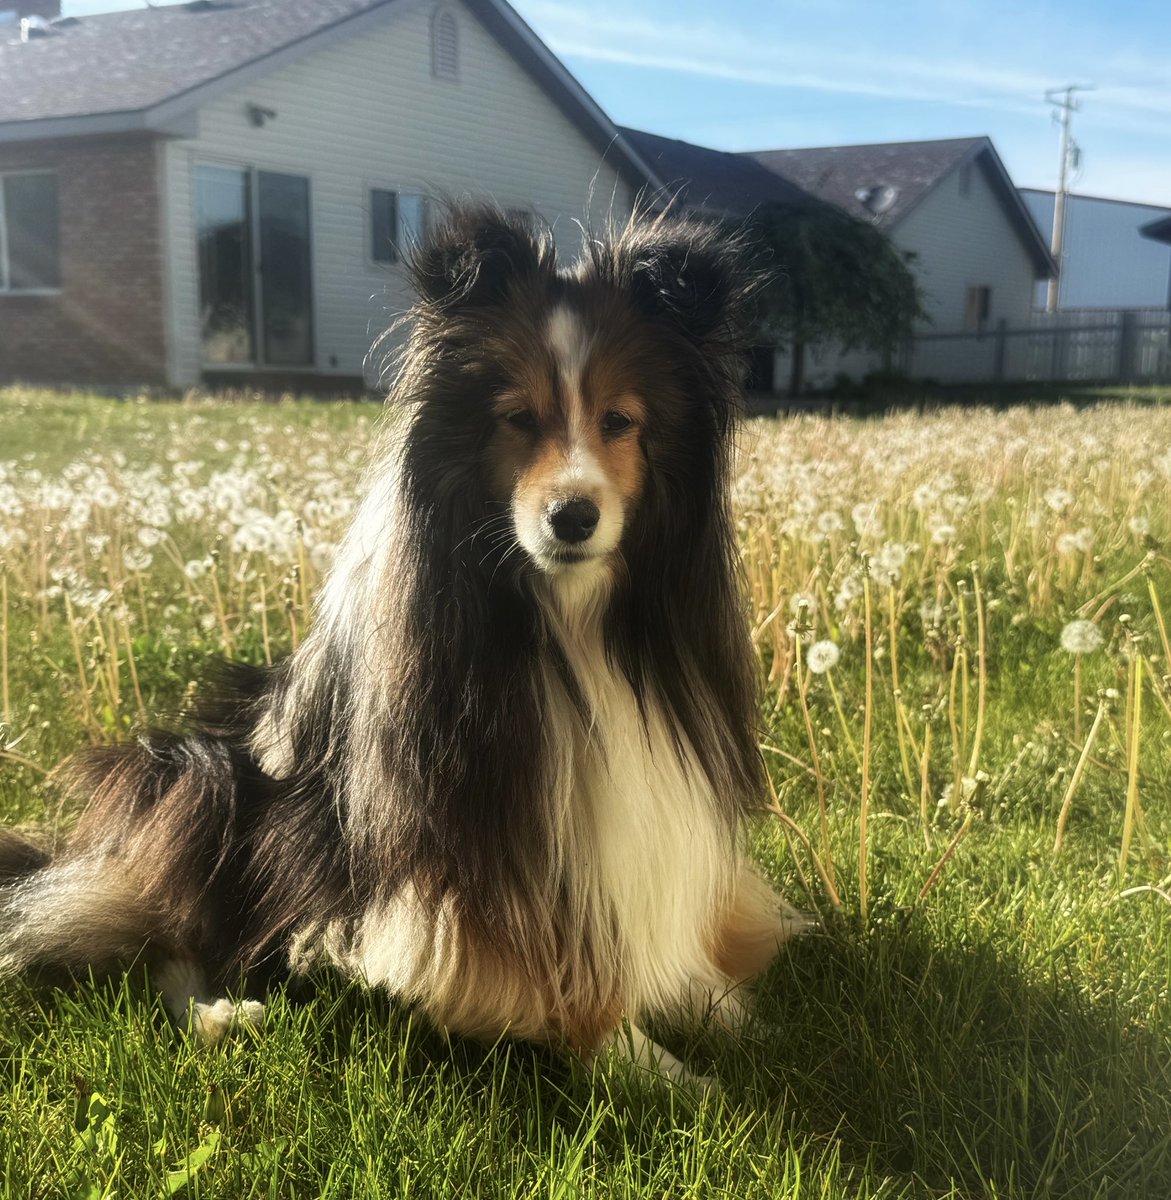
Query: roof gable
[
  {"x": 885, "y": 182},
  {"x": 714, "y": 181},
  {"x": 838, "y": 174},
  {"x": 149, "y": 68}
]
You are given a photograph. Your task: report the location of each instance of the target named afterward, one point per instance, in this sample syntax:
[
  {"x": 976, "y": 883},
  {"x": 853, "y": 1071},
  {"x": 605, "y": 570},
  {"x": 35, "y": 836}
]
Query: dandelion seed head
[
  {"x": 135, "y": 558},
  {"x": 1058, "y": 499},
  {"x": 822, "y": 656},
  {"x": 1081, "y": 637}
]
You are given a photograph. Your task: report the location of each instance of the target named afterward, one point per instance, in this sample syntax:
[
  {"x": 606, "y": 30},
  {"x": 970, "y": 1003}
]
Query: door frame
[{"x": 254, "y": 170}]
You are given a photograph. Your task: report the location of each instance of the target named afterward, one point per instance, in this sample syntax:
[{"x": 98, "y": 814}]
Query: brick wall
[{"x": 106, "y": 325}]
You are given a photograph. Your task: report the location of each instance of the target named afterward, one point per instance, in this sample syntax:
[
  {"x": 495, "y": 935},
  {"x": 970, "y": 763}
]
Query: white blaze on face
[{"x": 580, "y": 475}]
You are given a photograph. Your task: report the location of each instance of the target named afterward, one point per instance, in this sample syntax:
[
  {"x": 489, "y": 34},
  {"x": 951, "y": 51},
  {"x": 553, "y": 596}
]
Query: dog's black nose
[{"x": 573, "y": 520}]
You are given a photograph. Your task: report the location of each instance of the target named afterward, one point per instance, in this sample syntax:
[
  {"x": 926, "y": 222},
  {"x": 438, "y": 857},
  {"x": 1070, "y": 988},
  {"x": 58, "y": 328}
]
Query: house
[
  {"x": 221, "y": 190},
  {"x": 1106, "y": 262},
  {"x": 976, "y": 251}
]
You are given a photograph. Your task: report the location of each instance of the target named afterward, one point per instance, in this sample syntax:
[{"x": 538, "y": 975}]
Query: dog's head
[{"x": 582, "y": 403}]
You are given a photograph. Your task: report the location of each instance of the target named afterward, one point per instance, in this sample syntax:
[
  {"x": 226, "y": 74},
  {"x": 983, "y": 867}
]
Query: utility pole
[{"x": 1067, "y": 107}]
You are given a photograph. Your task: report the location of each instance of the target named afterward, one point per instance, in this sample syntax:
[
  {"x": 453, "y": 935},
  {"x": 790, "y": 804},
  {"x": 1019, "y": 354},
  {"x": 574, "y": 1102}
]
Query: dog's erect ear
[
  {"x": 474, "y": 257},
  {"x": 687, "y": 273}
]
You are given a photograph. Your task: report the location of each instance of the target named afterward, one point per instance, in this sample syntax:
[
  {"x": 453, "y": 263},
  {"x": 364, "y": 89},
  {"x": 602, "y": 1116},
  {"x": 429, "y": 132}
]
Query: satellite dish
[{"x": 877, "y": 199}]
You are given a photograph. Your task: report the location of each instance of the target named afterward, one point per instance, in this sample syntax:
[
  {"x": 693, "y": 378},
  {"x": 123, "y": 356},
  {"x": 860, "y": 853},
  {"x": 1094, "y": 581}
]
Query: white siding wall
[
  {"x": 367, "y": 112},
  {"x": 962, "y": 242},
  {"x": 958, "y": 242}
]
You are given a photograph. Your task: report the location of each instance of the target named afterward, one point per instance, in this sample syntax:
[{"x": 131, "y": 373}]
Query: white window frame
[
  {"x": 399, "y": 194},
  {"x": 5, "y": 265}
]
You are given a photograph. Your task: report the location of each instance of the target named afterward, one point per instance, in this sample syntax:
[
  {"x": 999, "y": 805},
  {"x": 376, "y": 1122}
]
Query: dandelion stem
[
  {"x": 1162, "y": 625},
  {"x": 981, "y": 677},
  {"x": 133, "y": 669},
  {"x": 1107, "y": 592},
  {"x": 925, "y": 786},
  {"x": 1077, "y": 698},
  {"x": 1083, "y": 759},
  {"x": 833, "y": 691},
  {"x": 822, "y": 807},
  {"x": 961, "y": 833},
  {"x": 219, "y": 606},
  {"x": 1135, "y": 680},
  {"x": 790, "y": 824},
  {"x": 264, "y": 623},
  {"x": 20, "y": 760},
  {"x": 90, "y": 720},
  {"x": 864, "y": 808},
  {"x": 897, "y": 693},
  {"x": 957, "y": 762},
  {"x": 5, "y": 705},
  {"x": 965, "y": 664}
]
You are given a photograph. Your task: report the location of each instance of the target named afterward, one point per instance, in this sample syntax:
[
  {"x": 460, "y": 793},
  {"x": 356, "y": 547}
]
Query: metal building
[{"x": 1106, "y": 260}]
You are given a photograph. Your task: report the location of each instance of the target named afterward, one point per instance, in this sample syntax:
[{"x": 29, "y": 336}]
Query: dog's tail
[
  {"x": 19, "y": 856},
  {"x": 140, "y": 870}
]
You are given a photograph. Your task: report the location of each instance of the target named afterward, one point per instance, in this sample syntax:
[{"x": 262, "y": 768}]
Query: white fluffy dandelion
[
  {"x": 1072, "y": 543},
  {"x": 136, "y": 558},
  {"x": 822, "y": 656},
  {"x": 1058, "y": 499},
  {"x": 1081, "y": 637}
]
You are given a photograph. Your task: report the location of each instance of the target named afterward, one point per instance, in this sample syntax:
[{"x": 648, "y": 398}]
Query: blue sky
[{"x": 756, "y": 74}]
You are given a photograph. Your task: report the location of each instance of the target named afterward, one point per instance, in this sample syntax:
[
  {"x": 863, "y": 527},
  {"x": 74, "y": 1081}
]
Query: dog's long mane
[
  {"x": 420, "y": 696},
  {"x": 408, "y": 746}
]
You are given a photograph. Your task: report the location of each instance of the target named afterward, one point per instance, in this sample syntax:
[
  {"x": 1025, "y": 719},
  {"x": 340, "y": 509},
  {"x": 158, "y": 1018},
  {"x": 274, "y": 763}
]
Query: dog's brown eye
[
  {"x": 523, "y": 419},
  {"x": 616, "y": 422}
]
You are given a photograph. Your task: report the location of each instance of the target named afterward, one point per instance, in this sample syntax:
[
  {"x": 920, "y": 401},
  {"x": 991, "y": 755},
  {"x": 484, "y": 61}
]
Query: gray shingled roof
[
  {"x": 838, "y": 173},
  {"x": 128, "y": 61},
  {"x": 146, "y": 68},
  {"x": 713, "y": 180},
  {"x": 908, "y": 172}
]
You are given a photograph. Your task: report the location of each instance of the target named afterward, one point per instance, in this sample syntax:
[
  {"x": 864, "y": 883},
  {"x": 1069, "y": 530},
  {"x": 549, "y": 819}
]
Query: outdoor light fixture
[{"x": 257, "y": 115}]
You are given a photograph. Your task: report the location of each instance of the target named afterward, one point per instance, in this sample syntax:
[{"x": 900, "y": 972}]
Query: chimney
[{"x": 47, "y": 10}]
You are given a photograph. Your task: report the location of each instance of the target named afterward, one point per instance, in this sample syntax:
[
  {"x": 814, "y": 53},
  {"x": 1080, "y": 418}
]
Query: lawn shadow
[
  {"x": 946, "y": 1065},
  {"x": 930, "y": 1065}
]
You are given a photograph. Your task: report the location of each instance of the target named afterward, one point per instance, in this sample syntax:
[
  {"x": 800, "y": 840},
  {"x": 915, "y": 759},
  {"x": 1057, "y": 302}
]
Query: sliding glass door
[{"x": 255, "y": 267}]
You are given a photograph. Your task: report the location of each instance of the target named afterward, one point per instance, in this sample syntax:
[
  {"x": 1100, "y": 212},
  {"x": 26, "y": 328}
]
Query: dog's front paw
[{"x": 211, "y": 1023}]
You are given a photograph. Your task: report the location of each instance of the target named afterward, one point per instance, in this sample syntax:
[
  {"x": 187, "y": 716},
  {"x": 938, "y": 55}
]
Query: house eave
[
  {"x": 148, "y": 120},
  {"x": 175, "y": 115}
]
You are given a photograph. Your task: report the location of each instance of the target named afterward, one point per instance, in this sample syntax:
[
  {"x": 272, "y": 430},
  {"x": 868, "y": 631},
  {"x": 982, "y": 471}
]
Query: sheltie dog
[{"x": 505, "y": 775}]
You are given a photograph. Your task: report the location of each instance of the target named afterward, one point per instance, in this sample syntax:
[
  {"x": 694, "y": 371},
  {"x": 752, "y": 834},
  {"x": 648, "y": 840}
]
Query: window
[
  {"x": 255, "y": 267},
  {"x": 978, "y": 308},
  {"x": 29, "y": 232},
  {"x": 398, "y": 220},
  {"x": 444, "y": 45}
]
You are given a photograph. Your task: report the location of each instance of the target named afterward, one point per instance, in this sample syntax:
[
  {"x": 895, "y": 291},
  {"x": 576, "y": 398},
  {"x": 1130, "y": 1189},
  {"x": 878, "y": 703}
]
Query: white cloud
[{"x": 953, "y": 73}]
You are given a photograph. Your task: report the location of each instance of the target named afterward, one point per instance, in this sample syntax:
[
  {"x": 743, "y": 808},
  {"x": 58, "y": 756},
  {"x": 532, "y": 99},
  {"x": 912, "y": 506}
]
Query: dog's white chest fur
[
  {"x": 641, "y": 866},
  {"x": 649, "y": 857}
]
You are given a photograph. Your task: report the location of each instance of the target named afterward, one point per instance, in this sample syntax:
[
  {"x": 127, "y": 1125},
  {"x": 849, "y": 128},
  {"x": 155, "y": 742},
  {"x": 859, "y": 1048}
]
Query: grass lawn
[{"x": 984, "y": 1015}]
